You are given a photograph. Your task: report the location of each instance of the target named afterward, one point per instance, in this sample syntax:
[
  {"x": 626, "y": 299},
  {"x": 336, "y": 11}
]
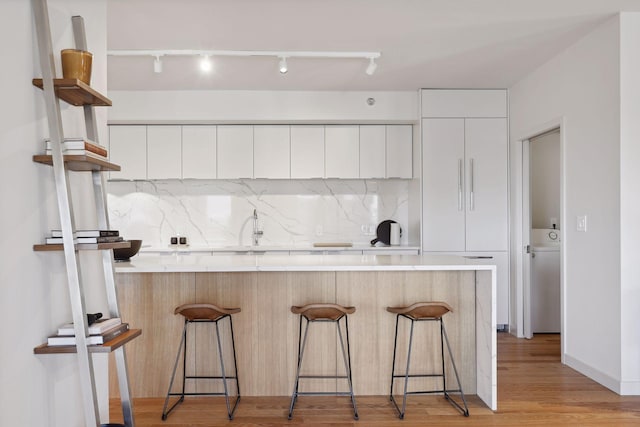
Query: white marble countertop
[
  {"x": 272, "y": 248},
  {"x": 248, "y": 263}
]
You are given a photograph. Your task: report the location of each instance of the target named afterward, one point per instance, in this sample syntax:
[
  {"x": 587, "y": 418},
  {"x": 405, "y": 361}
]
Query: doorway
[{"x": 538, "y": 163}]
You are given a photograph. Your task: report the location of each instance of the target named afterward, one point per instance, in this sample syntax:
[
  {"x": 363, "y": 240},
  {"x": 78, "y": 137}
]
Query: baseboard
[{"x": 596, "y": 375}]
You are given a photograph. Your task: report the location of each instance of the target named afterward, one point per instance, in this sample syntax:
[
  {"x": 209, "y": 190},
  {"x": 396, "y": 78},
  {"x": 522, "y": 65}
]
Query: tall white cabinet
[{"x": 464, "y": 170}]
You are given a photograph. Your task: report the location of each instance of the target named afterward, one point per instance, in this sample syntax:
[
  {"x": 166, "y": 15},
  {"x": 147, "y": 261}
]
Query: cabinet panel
[
  {"x": 486, "y": 163},
  {"x": 128, "y": 148},
  {"x": 372, "y": 151},
  {"x": 235, "y": 152},
  {"x": 399, "y": 151},
  {"x": 307, "y": 152},
  {"x": 443, "y": 227},
  {"x": 464, "y": 103},
  {"x": 342, "y": 152},
  {"x": 501, "y": 260},
  {"x": 164, "y": 152},
  {"x": 199, "y": 152},
  {"x": 271, "y": 152}
]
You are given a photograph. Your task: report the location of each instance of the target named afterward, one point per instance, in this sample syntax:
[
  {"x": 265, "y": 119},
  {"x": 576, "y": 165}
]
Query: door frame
[{"x": 521, "y": 295}]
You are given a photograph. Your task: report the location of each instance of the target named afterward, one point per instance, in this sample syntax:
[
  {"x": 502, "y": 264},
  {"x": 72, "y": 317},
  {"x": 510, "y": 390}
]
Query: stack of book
[
  {"x": 79, "y": 147},
  {"x": 86, "y": 236},
  {"x": 100, "y": 332}
]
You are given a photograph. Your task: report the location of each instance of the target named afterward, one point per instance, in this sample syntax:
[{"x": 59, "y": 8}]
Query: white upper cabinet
[
  {"x": 372, "y": 151},
  {"x": 199, "y": 152},
  {"x": 271, "y": 152},
  {"x": 164, "y": 152},
  {"x": 399, "y": 151},
  {"x": 128, "y": 149},
  {"x": 235, "y": 152},
  {"x": 464, "y": 103},
  {"x": 342, "y": 152},
  {"x": 307, "y": 152}
]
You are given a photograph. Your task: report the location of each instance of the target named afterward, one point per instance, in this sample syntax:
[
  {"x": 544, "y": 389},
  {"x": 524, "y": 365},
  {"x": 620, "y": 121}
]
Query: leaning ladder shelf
[{"x": 78, "y": 93}]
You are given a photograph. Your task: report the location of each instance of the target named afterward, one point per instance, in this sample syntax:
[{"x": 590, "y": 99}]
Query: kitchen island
[{"x": 266, "y": 332}]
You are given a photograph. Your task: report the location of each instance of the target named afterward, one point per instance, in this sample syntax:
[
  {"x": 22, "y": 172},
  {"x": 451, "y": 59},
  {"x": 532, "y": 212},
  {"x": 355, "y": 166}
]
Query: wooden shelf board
[
  {"x": 107, "y": 347},
  {"x": 76, "y": 92},
  {"x": 84, "y": 246},
  {"x": 79, "y": 163}
]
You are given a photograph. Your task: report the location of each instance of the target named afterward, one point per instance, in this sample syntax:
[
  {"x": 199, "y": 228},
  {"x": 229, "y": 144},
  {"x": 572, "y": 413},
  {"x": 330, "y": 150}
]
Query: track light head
[
  {"x": 371, "y": 68},
  {"x": 157, "y": 65},
  {"x": 205, "y": 64},
  {"x": 283, "y": 65}
]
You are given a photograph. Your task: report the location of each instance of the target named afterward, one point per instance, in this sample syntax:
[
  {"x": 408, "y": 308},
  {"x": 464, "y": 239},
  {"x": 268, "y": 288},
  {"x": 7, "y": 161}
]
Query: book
[
  {"x": 108, "y": 335},
  {"x": 80, "y": 144},
  {"x": 88, "y": 233},
  {"x": 73, "y": 152},
  {"x": 79, "y": 240},
  {"x": 98, "y": 327}
]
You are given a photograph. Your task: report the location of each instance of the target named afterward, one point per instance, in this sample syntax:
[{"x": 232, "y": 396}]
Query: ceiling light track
[{"x": 281, "y": 56}]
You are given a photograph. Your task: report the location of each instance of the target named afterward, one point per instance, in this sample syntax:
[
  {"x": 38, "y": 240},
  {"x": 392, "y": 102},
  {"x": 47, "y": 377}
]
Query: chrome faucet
[{"x": 257, "y": 233}]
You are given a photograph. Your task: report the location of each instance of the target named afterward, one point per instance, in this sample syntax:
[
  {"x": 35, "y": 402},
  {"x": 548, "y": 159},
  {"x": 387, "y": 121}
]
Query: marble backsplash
[{"x": 217, "y": 213}]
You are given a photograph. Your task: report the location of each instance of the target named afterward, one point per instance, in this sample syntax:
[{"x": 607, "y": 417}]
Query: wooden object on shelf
[
  {"x": 79, "y": 163},
  {"x": 76, "y": 92},
  {"x": 107, "y": 347},
  {"x": 83, "y": 246}
]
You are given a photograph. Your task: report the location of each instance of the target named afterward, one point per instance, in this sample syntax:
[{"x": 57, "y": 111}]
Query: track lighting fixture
[
  {"x": 283, "y": 65},
  {"x": 206, "y": 64},
  {"x": 157, "y": 64},
  {"x": 371, "y": 68}
]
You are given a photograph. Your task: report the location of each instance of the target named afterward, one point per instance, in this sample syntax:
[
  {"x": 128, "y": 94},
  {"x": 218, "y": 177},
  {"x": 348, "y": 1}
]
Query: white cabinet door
[
  {"x": 342, "y": 152},
  {"x": 235, "y": 152},
  {"x": 198, "y": 152},
  {"x": 443, "y": 221},
  {"x": 458, "y": 103},
  {"x": 307, "y": 152},
  {"x": 271, "y": 152},
  {"x": 372, "y": 151},
  {"x": 164, "y": 152},
  {"x": 486, "y": 170},
  {"x": 399, "y": 152},
  {"x": 128, "y": 148}
]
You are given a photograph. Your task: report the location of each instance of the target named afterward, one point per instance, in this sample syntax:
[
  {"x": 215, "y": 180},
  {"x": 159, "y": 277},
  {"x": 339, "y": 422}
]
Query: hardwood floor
[{"x": 534, "y": 389}]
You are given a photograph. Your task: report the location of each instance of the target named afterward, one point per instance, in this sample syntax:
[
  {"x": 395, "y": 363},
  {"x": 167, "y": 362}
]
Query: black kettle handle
[{"x": 374, "y": 241}]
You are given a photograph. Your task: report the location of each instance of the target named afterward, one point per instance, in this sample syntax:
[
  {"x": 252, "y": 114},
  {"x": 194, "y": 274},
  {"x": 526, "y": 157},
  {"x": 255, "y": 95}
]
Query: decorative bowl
[{"x": 123, "y": 254}]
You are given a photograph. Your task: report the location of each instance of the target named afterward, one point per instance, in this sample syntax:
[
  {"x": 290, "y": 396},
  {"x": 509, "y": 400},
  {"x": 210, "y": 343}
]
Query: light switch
[{"x": 581, "y": 223}]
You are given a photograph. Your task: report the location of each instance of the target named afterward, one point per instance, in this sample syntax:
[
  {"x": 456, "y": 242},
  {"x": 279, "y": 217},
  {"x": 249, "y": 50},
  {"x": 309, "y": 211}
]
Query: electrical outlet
[{"x": 581, "y": 223}]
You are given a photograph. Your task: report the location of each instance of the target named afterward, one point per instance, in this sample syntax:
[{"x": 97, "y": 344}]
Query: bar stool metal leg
[
  {"x": 182, "y": 349},
  {"x": 465, "y": 410},
  {"x": 347, "y": 363},
  {"x": 301, "y": 347}
]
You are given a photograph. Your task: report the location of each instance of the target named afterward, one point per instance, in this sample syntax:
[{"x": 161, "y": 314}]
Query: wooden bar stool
[
  {"x": 418, "y": 312},
  {"x": 324, "y": 313},
  {"x": 204, "y": 313}
]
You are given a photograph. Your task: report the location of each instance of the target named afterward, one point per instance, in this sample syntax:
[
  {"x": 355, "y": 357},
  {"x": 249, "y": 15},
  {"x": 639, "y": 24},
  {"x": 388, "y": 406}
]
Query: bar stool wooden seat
[
  {"x": 324, "y": 313},
  {"x": 418, "y": 312},
  {"x": 204, "y": 313}
]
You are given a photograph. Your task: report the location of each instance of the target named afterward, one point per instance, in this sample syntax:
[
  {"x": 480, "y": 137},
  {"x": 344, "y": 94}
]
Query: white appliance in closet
[
  {"x": 464, "y": 179},
  {"x": 545, "y": 280}
]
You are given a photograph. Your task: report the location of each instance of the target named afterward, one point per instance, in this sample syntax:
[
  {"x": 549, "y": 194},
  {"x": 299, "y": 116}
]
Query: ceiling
[{"x": 423, "y": 43}]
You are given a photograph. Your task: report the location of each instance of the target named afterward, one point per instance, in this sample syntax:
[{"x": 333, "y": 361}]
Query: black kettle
[{"x": 383, "y": 232}]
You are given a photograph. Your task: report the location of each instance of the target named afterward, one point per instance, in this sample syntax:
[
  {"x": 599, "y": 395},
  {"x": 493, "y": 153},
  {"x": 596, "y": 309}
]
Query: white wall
[
  {"x": 38, "y": 390},
  {"x": 581, "y": 87},
  {"x": 630, "y": 202},
  {"x": 257, "y": 106},
  {"x": 545, "y": 180}
]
